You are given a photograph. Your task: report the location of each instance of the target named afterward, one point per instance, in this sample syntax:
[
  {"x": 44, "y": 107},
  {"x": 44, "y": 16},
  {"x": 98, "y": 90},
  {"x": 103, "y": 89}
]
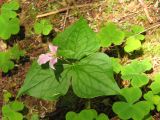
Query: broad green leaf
[
  {"x": 135, "y": 72},
  {"x": 10, "y": 111},
  {"x": 10, "y": 27},
  {"x": 8, "y": 9},
  {"x": 129, "y": 94},
  {"x": 110, "y": 34},
  {"x": 77, "y": 41},
  {"x": 42, "y": 83},
  {"x": 127, "y": 110},
  {"x": 87, "y": 114},
  {"x": 155, "y": 86},
  {"x": 43, "y": 27},
  {"x": 12, "y": 54},
  {"x": 132, "y": 44},
  {"x": 93, "y": 76}
]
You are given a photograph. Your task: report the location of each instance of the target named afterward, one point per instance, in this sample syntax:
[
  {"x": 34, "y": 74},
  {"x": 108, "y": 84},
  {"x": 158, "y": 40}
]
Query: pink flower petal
[
  {"x": 52, "y": 62},
  {"x": 53, "y": 48},
  {"x": 44, "y": 58}
]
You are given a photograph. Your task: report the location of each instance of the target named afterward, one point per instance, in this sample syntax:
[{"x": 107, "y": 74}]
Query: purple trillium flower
[{"x": 49, "y": 57}]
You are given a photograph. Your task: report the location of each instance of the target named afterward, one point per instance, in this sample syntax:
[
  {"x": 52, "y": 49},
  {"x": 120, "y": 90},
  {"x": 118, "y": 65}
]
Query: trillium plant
[
  {"x": 49, "y": 57},
  {"x": 74, "y": 60}
]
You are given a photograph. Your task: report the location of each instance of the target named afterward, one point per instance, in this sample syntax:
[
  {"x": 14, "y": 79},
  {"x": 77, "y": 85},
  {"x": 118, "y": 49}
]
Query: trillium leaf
[
  {"x": 93, "y": 76},
  {"x": 10, "y": 27},
  {"x": 42, "y": 83},
  {"x": 110, "y": 34},
  {"x": 77, "y": 41},
  {"x": 135, "y": 72},
  {"x": 43, "y": 27}
]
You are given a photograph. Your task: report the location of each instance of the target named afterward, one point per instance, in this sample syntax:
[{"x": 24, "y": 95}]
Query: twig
[
  {"x": 65, "y": 18},
  {"x": 63, "y": 10},
  {"x": 153, "y": 26},
  {"x": 146, "y": 11}
]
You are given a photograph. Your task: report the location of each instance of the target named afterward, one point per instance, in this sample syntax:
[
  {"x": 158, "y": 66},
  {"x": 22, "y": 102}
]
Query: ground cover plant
[{"x": 91, "y": 75}]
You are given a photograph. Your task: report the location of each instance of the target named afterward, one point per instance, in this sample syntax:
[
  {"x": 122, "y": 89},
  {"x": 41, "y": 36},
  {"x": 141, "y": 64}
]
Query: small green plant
[
  {"x": 43, "y": 27},
  {"x": 9, "y": 9},
  {"x": 110, "y": 34},
  {"x": 87, "y": 114},
  {"x": 6, "y": 57},
  {"x": 8, "y": 20},
  {"x": 11, "y": 111},
  {"x": 131, "y": 107},
  {"x": 134, "y": 38},
  {"x": 83, "y": 68},
  {"x": 135, "y": 72}
]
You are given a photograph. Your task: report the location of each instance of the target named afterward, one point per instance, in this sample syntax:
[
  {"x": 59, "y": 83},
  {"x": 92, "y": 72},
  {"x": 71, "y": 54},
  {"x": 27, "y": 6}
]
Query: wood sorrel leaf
[
  {"x": 10, "y": 27},
  {"x": 43, "y": 27},
  {"x": 42, "y": 83},
  {"x": 11, "y": 111},
  {"x": 129, "y": 94},
  {"x": 134, "y": 110},
  {"x": 110, "y": 34},
  {"x": 133, "y": 42},
  {"x": 135, "y": 72},
  {"x": 87, "y": 114},
  {"x": 77, "y": 41},
  {"x": 93, "y": 76},
  {"x": 8, "y": 9},
  {"x": 155, "y": 86},
  {"x": 6, "y": 58}
]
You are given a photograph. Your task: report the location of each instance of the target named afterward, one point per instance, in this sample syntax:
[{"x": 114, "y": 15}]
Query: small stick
[
  {"x": 146, "y": 11},
  {"x": 63, "y": 10}
]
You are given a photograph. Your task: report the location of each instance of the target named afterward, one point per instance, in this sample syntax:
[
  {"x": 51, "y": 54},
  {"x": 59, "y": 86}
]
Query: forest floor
[{"x": 62, "y": 14}]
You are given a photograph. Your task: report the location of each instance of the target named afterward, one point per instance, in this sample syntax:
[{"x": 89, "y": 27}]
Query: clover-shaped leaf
[
  {"x": 110, "y": 34},
  {"x": 134, "y": 110},
  {"x": 116, "y": 65},
  {"x": 155, "y": 86},
  {"x": 6, "y": 62},
  {"x": 11, "y": 111},
  {"x": 87, "y": 114},
  {"x": 10, "y": 27},
  {"x": 135, "y": 72},
  {"x": 129, "y": 94},
  {"x": 152, "y": 99},
  {"x": 43, "y": 27},
  {"x": 133, "y": 42},
  {"x": 9, "y": 9}
]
